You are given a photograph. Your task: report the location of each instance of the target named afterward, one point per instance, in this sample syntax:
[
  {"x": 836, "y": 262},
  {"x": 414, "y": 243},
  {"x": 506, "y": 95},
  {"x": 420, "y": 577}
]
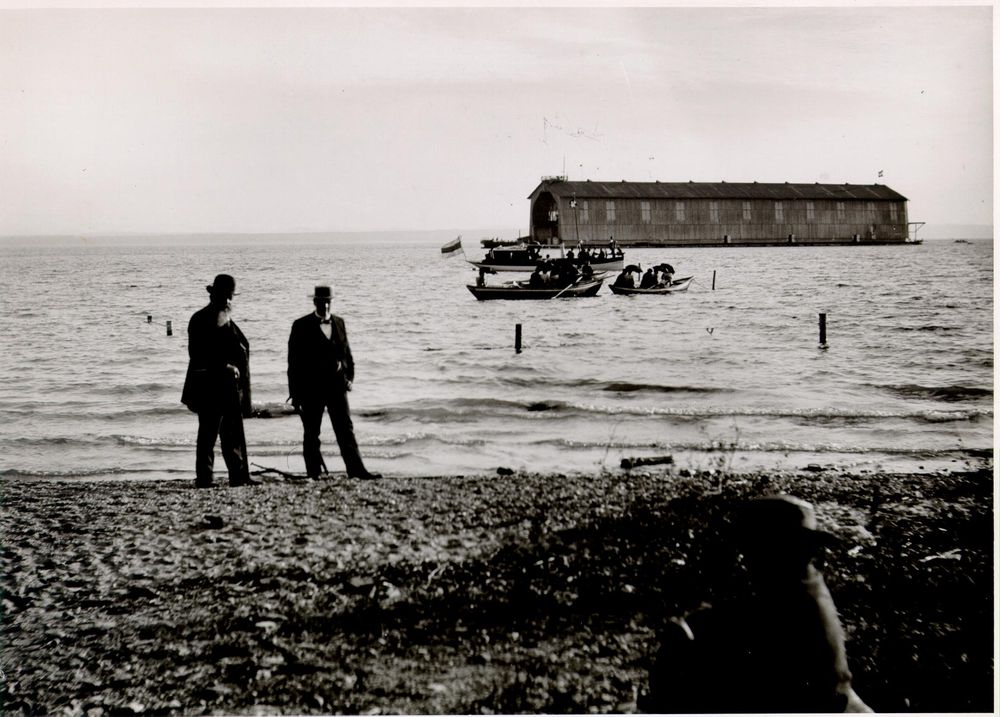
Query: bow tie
[{"x": 326, "y": 321}]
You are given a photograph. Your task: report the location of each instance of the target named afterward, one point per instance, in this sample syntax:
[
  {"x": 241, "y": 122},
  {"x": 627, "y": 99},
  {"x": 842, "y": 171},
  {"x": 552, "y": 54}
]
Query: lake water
[{"x": 727, "y": 377}]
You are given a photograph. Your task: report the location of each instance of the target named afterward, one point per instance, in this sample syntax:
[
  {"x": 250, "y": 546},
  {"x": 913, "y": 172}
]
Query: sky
[{"x": 181, "y": 120}]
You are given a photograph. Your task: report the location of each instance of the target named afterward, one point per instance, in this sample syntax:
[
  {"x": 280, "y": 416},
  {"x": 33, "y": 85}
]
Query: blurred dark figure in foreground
[
  {"x": 777, "y": 649},
  {"x": 217, "y": 385}
]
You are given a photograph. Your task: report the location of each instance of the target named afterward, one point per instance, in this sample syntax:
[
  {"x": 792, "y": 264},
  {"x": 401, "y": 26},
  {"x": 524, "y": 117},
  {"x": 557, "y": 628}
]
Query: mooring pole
[
  {"x": 149, "y": 318},
  {"x": 822, "y": 331},
  {"x": 170, "y": 329},
  {"x": 713, "y": 279},
  {"x": 517, "y": 338}
]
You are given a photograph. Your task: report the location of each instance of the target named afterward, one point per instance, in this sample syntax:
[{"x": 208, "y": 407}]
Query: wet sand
[{"x": 476, "y": 594}]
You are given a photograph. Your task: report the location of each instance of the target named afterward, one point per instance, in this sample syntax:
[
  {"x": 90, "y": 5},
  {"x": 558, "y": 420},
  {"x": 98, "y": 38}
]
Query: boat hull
[
  {"x": 675, "y": 286},
  {"x": 518, "y": 292}
]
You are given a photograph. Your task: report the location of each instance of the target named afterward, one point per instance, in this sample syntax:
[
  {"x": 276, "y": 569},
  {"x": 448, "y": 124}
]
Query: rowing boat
[
  {"x": 675, "y": 286},
  {"x": 521, "y": 290}
]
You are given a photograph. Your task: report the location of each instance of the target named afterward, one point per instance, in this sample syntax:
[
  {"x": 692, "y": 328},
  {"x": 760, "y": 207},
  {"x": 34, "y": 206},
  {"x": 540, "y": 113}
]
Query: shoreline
[
  {"x": 682, "y": 463},
  {"x": 460, "y": 594}
]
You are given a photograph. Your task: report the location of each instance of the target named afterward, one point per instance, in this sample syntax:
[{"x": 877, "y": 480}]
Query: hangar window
[
  {"x": 810, "y": 211},
  {"x": 646, "y": 213},
  {"x": 584, "y": 211},
  {"x": 713, "y": 212},
  {"x": 779, "y": 212},
  {"x": 679, "y": 211},
  {"x": 841, "y": 211},
  {"x": 609, "y": 208},
  {"x": 747, "y": 216},
  {"x": 892, "y": 212}
]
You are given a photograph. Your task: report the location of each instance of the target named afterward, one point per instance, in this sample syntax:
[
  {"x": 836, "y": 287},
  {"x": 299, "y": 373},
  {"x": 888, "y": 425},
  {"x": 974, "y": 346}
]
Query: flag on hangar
[{"x": 452, "y": 247}]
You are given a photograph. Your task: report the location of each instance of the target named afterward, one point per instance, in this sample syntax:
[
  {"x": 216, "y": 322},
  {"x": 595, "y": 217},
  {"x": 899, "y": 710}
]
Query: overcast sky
[{"x": 329, "y": 119}]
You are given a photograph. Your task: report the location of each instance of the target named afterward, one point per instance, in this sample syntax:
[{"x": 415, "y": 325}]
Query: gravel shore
[{"x": 466, "y": 594}]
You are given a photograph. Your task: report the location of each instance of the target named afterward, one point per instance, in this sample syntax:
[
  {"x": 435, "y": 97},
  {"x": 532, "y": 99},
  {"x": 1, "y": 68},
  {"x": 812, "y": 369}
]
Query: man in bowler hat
[
  {"x": 320, "y": 373},
  {"x": 217, "y": 385}
]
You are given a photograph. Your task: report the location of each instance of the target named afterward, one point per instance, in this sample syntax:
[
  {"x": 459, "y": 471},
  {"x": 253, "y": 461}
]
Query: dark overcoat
[
  {"x": 317, "y": 364},
  {"x": 209, "y": 385}
]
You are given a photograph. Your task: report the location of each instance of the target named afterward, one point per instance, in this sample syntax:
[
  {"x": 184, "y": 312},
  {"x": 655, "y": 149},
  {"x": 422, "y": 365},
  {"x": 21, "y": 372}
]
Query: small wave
[
  {"x": 932, "y": 328},
  {"x": 602, "y": 385},
  {"x": 148, "y": 442},
  {"x": 137, "y": 389},
  {"x": 625, "y": 387},
  {"x": 420, "y": 437},
  {"x": 69, "y": 410},
  {"x": 468, "y": 409},
  {"x": 938, "y": 393},
  {"x": 87, "y": 473},
  {"x": 48, "y": 441}
]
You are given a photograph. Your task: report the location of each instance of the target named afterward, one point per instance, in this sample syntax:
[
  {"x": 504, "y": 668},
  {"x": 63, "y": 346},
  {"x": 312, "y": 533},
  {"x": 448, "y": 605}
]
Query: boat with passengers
[{"x": 526, "y": 256}]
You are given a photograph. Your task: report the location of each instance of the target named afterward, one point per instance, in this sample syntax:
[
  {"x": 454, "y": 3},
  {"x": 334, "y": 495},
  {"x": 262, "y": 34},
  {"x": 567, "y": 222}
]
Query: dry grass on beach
[{"x": 524, "y": 593}]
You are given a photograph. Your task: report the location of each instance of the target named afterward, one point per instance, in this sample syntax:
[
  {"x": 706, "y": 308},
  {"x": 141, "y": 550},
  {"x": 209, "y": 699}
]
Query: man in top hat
[
  {"x": 777, "y": 646},
  {"x": 320, "y": 373},
  {"x": 217, "y": 385}
]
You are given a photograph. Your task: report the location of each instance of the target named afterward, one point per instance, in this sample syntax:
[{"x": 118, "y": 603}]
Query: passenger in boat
[
  {"x": 625, "y": 279},
  {"x": 587, "y": 271},
  {"x": 665, "y": 274},
  {"x": 648, "y": 280},
  {"x": 536, "y": 281},
  {"x": 564, "y": 273},
  {"x": 601, "y": 256},
  {"x": 569, "y": 255},
  {"x": 775, "y": 645}
]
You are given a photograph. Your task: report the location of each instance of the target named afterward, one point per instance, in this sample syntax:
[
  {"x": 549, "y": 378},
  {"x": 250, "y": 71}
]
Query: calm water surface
[{"x": 731, "y": 376}]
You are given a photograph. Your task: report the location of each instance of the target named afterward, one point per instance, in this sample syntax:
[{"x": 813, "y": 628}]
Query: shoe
[
  {"x": 202, "y": 483},
  {"x": 365, "y": 476},
  {"x": 242, "y": 482}
]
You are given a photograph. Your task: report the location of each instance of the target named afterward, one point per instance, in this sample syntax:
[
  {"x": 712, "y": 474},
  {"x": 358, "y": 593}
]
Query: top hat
[
  {"x": 222, "y": 284},
  {"x": 322, "y": 292}
]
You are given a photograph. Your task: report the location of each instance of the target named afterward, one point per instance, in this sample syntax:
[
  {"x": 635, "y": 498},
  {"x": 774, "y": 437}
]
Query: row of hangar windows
[{"x": 646, "y": 212}]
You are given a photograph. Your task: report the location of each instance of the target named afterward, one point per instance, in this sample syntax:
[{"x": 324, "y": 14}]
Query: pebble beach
[{"x": 461, "y": 595}]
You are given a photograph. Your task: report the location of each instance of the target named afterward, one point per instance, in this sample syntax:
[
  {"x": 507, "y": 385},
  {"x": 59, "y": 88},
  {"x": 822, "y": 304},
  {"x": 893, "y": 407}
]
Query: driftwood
[
  {"x": 628, "y": 463},
  {"x": 283, "y": 474}
]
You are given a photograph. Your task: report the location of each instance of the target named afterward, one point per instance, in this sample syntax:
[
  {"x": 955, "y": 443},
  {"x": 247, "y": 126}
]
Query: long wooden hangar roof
[{"x": 717, "y": 190}]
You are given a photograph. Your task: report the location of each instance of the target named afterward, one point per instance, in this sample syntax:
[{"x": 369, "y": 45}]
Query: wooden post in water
[
  {"x": 149, "y": 318},
  {"x": 822, "y": 331},
  {"x": 713, "y": 279},
  {"x": 517, "y": 338},
  {"x": 170, "y": 328}
]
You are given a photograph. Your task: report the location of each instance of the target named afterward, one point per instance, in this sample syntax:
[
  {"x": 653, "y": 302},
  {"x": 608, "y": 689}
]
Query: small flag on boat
[{"x": 452, "y": 247}]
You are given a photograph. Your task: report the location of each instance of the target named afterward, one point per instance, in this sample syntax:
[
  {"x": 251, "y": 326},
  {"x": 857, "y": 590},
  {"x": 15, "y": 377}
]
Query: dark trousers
[
  {"x": 335, "y": 402},
  {"x": 229, "y": 427}
]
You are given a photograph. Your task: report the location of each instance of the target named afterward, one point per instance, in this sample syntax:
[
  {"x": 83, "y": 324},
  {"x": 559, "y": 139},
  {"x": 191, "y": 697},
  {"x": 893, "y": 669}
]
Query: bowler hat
[
  {"x": 222, "y": 284},
  {"x": 322, "y": 292}
]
